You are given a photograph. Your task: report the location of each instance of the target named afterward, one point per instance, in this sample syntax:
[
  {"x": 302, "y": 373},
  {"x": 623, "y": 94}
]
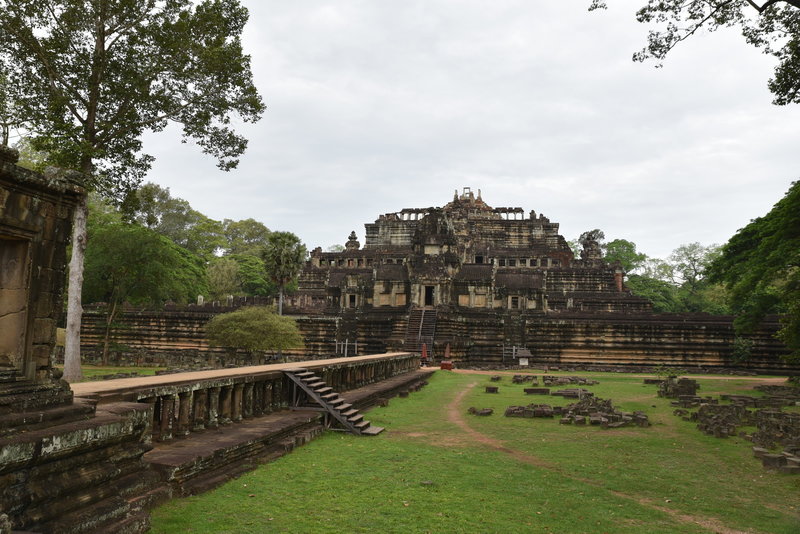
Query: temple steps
[
  {"x": 421, "y": 329},
  {"x": 314, "y": 390}
]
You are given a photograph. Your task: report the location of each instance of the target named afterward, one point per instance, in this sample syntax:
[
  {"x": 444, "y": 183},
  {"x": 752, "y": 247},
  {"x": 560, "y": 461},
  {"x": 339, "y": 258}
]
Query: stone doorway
[{"x": 429, "y": 292}]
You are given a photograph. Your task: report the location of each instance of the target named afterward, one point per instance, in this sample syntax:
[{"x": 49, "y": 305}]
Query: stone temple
[
  {"x": 464, "y": 255},
  {"x": 481, "y": 285}
]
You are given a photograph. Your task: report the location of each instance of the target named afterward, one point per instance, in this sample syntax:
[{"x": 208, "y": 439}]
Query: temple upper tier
[{"x": 465, "y": 254}]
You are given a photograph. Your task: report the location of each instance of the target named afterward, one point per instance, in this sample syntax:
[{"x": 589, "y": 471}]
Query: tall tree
[
  {"x": 162, "y": 270},
  {"x": 154, "y": 207},
  {"x": 772, "y": 25},
  {"x": 624, "y": 252},
  {"x": 760, "y": 265},
  {"x": 247, "y": 236},
  {"x": 284, "y": 257},
  {"x": 89, "y": 78}
]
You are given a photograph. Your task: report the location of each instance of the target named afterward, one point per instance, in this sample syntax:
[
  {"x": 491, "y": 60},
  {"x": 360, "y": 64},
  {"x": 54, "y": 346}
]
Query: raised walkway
[{"x": 209, "y": 426}]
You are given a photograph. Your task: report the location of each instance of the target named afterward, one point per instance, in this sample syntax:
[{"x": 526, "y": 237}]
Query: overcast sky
[{"x": 374, "y": 106}]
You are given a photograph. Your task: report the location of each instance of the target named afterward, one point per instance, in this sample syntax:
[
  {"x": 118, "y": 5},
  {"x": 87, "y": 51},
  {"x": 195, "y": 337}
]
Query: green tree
[
  {"x": 161, "y": 271},
  {"x": 663, "y": 295},
  {"x": 760, "y": 265},
  {"x": 772, "y": 25},
  {"x": 253, "y": 275},
  {"x": 284, "y": 257},
  {"x": 247, "y": 236},
  {"x": 690, "y": 262},
  {"x": 89, "y": 78},
  {"x": 154, "y": 207},
  {"x": 624, "y": 252},
  {"x": 253, "y": 329},
  {"x": 223, "y": 278}
]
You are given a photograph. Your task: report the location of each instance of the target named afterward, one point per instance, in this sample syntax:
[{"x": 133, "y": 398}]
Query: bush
[{"x": 253, "y": 329}]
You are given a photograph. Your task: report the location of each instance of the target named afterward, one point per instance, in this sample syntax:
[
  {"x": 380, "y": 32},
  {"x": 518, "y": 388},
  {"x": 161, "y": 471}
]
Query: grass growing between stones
[{"x": 438, "y": 469}]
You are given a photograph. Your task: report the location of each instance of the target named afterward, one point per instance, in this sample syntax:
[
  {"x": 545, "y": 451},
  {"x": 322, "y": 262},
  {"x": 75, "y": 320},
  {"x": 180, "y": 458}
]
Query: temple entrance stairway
[{"x": 421, "y": 329}]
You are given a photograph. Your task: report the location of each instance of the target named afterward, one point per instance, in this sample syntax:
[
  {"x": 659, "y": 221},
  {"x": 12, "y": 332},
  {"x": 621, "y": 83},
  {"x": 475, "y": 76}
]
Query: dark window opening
[
  {"x": 352, "y": 301},
  {"x": 478, "y": 259},
  {"x": 502, "y": 262},
  {"x": 515, "y": 302},
  {"x": 512, "y": 263}
]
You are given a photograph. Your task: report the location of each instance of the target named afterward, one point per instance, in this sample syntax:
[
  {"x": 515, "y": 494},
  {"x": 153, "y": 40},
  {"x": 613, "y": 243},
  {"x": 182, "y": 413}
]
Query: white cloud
[{"x": 377, "y": 106}]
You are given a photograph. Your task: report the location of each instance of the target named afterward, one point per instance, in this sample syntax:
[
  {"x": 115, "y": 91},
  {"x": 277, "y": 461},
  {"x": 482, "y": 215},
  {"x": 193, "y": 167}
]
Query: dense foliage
[
  {"x": 254, "y": 329},
  {"x": 760, "y": 265}
]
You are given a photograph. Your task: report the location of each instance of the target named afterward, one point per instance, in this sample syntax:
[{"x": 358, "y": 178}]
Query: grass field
[
  {"x": 90, "y": 371},
  {"x": 438, "y": 469}
]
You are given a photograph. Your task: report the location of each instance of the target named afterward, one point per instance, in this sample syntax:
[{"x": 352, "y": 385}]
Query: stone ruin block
[
  {"x": 495, "y": 378},
  {"x": 573, "y": 393},
  {"x": 480, "y": 411},
  {"x": 521, "y": 379},
  {"x": 550, "y": 380},
  {"x": 492, "y": 389},
  {"x": 673, "y": 387},
  {"x": 537, "y": 391},
  {"x": 530, "y": 411}
]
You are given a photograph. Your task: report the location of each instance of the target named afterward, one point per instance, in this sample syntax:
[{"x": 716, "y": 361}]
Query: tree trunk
[
  {"x": 107, "y": 336},
  {"x": 72, "y": 346},
  {"x": 280, "y": 300}
]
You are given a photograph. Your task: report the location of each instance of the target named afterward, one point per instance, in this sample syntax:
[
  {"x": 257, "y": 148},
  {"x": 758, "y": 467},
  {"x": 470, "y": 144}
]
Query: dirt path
[{"x": 455, "y": 414}]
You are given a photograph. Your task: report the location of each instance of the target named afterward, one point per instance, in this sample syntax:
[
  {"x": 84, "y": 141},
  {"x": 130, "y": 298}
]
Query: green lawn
[
  {"x": 438, "y": 469},
  {"x": 90, "y": 371}
]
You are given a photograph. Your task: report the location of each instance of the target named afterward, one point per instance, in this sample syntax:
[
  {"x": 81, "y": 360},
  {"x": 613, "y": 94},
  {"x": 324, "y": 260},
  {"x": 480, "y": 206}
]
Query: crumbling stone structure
[{"x": 64, "y": 466}]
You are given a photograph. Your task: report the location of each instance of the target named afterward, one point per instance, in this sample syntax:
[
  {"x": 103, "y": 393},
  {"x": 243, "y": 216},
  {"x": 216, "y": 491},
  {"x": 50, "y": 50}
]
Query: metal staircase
[
  {"x": 421, "y": 329},
  {"x": 311, "y": 392}
]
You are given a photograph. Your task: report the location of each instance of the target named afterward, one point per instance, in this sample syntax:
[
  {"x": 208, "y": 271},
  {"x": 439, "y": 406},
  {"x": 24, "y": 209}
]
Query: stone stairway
[
  {"x": 310, "y": 387},
  {"x": 421, "y": 329}
]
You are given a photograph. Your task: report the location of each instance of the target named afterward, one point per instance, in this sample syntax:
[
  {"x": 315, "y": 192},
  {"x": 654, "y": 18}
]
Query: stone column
[
  {"x": 247, "y": 401},
  {"x": 184, "y": 413},
  {"x": 258, "y": 398},
  {"x": 200, "y": 409},
  {"x": 225, "y": 402},
  {"x": 268, "y": 396},
  {"x": 236, "y": 402},
  {"x": 167, "y": 417},
  {"x": 213, "y": 407}
]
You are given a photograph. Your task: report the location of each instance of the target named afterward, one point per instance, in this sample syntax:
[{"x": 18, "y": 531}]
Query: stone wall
[
  {"x": 476, "y": 337},
  {"x": 64, "y": 466}
]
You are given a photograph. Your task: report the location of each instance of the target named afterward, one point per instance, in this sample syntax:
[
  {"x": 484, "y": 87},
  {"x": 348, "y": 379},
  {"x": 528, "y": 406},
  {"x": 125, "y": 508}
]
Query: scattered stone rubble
[
  {"x": 567, "y": 380},
  {"x": 774, "y": 427},
  {"x": 480, "y": 411},
  {"x": 590, "y": 410}
]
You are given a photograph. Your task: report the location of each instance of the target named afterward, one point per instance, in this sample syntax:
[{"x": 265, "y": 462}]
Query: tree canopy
[
  {"x": 283, "y": 257},
  {"x": 154, "y": 207},
  {"x": 760, "y": 265},
  {"x": 253, "y": 329},
  {"x": 624, "y": 252},
  {"x": 772, "y": 25},
  {"x": 129, "y": 263},
  {"x": 87, "y": 79}
]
